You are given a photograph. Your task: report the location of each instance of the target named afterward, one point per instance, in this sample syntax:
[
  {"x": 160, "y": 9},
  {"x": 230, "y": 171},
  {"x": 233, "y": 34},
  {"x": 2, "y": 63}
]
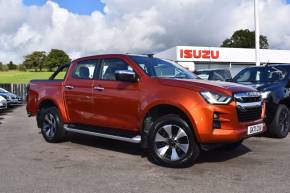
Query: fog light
[
  {"x": 216, "y": 116},
  {"x": 216, "y": 121}
]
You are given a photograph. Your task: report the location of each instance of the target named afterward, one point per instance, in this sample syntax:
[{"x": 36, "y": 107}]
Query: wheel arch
[
  {"x": 155, "y": 111},
  {"x": 46, "y": 103}
]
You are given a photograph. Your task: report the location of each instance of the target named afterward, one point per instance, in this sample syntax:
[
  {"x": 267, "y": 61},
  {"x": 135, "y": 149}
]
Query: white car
[{"x": 3, "y": 103}]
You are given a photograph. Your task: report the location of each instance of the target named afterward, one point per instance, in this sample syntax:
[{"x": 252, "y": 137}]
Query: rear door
[
  {"x": 116, "y": 103},
  {"x": 78, "y": 92}
]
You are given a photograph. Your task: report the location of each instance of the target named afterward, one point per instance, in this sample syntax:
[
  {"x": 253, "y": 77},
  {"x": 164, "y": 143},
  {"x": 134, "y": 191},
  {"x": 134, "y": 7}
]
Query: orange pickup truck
[{"x": 148, "y": 101}]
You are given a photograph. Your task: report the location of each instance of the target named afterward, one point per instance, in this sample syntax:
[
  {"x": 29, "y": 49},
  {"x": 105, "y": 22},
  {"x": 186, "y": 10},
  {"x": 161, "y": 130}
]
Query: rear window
[{"x": 85, "y": 70}]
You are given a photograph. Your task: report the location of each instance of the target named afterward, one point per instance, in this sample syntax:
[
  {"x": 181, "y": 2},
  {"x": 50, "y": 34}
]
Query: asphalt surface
[{"x": 90, "y": 164}]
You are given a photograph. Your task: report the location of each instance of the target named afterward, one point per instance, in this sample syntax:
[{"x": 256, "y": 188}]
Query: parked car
[
  {"x": 148, "y": 101},
  {"x": 3, "y": 103},
  {"x": 214, "y": 74},
  {"x": 274, "y": 83},
  {"x": 11, "y": 98}
]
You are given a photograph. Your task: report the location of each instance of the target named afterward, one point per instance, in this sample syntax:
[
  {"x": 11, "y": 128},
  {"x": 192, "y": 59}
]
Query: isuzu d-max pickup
[{"x": 148, "y": 101}]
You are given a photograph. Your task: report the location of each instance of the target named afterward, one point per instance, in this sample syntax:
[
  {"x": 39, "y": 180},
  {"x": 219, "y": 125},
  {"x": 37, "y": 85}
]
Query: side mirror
[{"x": 126, "y": 76}]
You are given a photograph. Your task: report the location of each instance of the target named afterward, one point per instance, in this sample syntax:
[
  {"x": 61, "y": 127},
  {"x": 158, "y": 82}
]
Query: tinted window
[
  {"x": 110, "y": 66},
  {"x": 85, "y": 70},
  {"x": 263, "y": 74},
  {"x": 205, "y": 75},
  {"x": 217, "y": 75},
  {"x": 162, "y": 68}
]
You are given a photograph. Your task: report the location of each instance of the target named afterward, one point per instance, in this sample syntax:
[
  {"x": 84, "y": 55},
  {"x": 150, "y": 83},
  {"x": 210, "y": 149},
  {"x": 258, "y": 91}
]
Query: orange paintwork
[{"x": 123, "y": 105}]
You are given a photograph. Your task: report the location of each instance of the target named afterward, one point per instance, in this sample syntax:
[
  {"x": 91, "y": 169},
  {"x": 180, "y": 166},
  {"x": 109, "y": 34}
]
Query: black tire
[
  {"x": 231, "y": 146},
  {"x": 51, "y": 125},
  {"x": 279, "y": 127},
  {"x": 179, "y": 150}
]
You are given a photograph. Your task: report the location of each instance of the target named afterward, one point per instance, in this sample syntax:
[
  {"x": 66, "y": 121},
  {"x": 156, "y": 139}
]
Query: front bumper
[
  {"x": 3, "y": 106},
  {"x": 231, "y": 129},
  {"x": 235, "y": 134},
  {"x": 15, "y": 102}
]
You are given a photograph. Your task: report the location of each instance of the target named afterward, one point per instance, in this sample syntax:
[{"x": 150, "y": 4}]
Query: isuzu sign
[{"x": 199, "y": 54}]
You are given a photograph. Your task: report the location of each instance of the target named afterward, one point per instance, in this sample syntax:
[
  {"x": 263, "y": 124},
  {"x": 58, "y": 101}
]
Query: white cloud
[{"x": 134, "y": 26}]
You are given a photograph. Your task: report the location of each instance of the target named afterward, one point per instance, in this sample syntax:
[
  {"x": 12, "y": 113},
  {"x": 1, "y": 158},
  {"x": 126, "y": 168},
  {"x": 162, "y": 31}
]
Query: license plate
[{"x": 255, "y": 129}]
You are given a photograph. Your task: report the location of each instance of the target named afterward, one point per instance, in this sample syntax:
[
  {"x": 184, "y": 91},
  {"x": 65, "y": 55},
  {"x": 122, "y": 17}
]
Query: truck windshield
[
  {"x": 156, "y": 67},
  {"x": 264, "y": 74}
]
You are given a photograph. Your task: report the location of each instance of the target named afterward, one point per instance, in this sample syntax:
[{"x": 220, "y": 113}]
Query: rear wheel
[
  {"x": 172, "y": 143},
  {"x": 51, "y": 125},
  {"x": 279, "y": 127}
]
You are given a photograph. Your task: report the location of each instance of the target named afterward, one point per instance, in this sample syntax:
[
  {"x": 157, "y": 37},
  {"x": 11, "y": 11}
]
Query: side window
[
  {"x": 217, "y": 76},
  {"x": 110, "y": 66},
  {"x": 244, "y": 76},
  {"x": 203, "y": 75},
  {"x": 85, "y": 70}
]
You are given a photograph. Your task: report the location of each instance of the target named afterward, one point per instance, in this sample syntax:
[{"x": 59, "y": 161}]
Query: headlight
[
  {"x": 265, "y": 94},
  {"x": 215, "y": 98}
]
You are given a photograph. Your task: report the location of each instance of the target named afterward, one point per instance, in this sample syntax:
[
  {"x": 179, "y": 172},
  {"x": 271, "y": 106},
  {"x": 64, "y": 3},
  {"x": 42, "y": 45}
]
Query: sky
[
  {"x": 83, "y": 7},
  {"x": 87, "y": 27}
]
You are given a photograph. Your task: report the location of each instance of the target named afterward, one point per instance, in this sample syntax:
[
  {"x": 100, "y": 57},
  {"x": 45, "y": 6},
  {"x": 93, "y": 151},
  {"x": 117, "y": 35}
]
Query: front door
[
  {"x": 78, "y": 92},
  {"x": 116, "y": 103}
]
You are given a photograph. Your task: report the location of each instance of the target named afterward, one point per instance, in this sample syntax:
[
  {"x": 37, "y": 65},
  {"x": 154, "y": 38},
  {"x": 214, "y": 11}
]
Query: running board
[{"x": 135, "y": 139}]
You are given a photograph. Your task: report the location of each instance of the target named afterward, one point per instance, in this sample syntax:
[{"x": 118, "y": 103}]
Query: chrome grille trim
[{"x": 249, "y": 106}]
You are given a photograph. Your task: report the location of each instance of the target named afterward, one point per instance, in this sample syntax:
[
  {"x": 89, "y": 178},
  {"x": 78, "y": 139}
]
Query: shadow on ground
[
  {"x": 136, "y": 150},
  {"x": 222, "y": 155},
  {"x": 112, "y": 145}
]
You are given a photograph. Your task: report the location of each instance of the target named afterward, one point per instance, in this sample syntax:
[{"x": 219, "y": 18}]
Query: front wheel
[
  {"x": 51, "y": 125},
  {"x": 279, "y": 127},
  {"x": 172, "y": 142}
]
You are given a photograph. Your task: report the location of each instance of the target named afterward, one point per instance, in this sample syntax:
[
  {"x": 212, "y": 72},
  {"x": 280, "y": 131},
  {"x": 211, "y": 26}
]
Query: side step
[{"x": 73, "y": 129}]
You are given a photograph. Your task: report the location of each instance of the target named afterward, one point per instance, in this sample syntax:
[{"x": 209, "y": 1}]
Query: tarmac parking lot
[{"x": 90, "y": 164}]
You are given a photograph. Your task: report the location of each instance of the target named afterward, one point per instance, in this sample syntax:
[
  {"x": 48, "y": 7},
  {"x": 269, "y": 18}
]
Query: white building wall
[{"x": 230, "y": 55}]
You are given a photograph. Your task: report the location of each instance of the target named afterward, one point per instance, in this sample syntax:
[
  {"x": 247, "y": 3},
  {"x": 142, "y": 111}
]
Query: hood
[
  {"x": 2, "y": 99},
  {"x": 265, "y": 86},
  {"x": 214, "y": 86}
]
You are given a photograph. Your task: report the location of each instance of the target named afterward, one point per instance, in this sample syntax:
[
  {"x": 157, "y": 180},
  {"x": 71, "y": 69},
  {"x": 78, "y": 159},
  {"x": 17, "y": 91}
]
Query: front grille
[
  {"x": 249, "y": 106},
  {"x": 250, "y": 114},
  {"x": 251, "y": 99}
]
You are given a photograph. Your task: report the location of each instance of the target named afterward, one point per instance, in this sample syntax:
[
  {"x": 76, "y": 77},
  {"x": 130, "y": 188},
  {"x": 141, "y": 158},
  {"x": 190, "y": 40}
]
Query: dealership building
[{"x": 235, "y": 59}]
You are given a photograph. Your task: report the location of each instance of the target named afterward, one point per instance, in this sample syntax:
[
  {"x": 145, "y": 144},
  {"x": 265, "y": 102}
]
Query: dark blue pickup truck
[{"x": 274, "y": 83}]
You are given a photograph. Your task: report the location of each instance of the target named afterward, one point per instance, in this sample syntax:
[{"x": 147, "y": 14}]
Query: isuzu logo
[{"x": 199, "y": 54}]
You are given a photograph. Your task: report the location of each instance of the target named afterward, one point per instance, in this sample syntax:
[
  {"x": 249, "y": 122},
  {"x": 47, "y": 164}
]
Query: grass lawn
[{"x": 22, "y": 77}]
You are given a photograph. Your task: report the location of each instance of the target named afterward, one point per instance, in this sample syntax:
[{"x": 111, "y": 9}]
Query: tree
[
  {"x": 56, "y": 58},
  {"x": 35, "y": 60},
  {"x": 21, "y": 68},
  {"x": 11, "y": 66},
  {"x": 1, "y": 66},
  {"x": 245, "y": 39}
]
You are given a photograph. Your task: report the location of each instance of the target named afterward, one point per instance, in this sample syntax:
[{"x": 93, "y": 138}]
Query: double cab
[{"x": 148, "y": 101}]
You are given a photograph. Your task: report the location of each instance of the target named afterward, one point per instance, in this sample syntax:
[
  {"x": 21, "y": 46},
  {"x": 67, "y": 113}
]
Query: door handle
[
  {"x": 69, "y": 87},
  {"x": 98, "y": 88}
]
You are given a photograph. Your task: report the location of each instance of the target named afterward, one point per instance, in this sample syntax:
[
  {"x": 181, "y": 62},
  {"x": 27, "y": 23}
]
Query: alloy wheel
[
  {"x": 171, "y": 143},
  {"x": 49, "y": 125},
  {"x": 284, "y": 121}
]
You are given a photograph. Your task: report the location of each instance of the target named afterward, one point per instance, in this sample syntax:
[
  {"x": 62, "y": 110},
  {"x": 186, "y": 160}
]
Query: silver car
[{"x": 3, "y": 103}]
